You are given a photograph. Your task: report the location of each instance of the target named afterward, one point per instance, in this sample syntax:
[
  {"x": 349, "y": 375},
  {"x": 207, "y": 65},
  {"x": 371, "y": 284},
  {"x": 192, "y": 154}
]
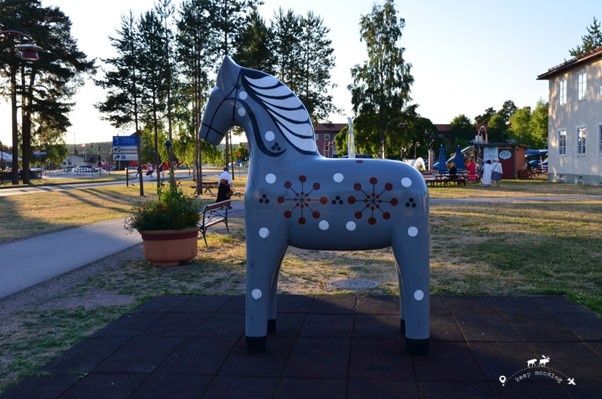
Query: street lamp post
[{"x": 27, "y": 52}]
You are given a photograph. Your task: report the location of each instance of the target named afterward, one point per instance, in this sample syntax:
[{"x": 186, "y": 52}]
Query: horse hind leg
[
  {"x": 412, "y": 257},
  {"x": 402, "y": 318},
  {"x": 273, "y": 299}
]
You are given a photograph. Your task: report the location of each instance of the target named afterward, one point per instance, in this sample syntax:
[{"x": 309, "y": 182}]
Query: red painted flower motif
[
  {"x": 300, "y": 200},
  {"x": 373, "y": 201}
]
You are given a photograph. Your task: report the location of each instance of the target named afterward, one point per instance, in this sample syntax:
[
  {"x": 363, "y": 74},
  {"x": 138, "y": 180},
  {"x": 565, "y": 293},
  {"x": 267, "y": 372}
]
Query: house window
[
  {"x": 562, "y": 142},
  {"x": 581, "y": 86},
  {"x": 562, "y": 92},
  {"x": 326, "y": 136},
  {"x": 581, "y": 133}
]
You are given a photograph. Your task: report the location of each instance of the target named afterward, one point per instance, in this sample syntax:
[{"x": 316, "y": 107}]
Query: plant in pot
[{"x": 168, "y": 224}]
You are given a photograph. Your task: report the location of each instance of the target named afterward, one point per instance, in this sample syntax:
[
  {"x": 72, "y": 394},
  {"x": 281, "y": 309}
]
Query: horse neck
[{"x": 266, "y": 147}]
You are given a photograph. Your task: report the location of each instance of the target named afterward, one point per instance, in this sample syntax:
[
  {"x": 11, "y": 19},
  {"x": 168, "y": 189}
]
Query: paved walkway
[
  {"x": 28, "y": 262},
  {"x": 333, "y": 346},
  {"x": 32, "y": 261}
]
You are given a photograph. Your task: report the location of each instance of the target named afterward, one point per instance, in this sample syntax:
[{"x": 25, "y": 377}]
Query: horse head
[
  {"x": 218, "y": 116},
  {"x": 273, "y": 117}
]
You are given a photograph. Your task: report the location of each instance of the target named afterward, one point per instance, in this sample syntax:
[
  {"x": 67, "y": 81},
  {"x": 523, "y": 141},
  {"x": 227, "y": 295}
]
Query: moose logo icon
[
  {"x": 542, "y": 362},
  {"x": 537, "y": 369}
]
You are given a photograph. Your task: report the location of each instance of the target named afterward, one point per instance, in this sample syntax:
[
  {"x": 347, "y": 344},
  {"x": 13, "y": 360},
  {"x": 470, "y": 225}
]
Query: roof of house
[
  {"x": 572, "y": 63},
  {"x": 329, "y": 127}
]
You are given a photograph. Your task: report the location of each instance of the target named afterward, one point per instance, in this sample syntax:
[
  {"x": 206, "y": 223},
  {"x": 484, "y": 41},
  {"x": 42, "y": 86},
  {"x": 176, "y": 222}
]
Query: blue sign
[{"x": 124, "y": 141}]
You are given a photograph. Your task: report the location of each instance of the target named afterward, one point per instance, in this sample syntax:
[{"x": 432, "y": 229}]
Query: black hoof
[
  {"x": 417, "y": 346},
  {"x": 271, "y": 326},
  {"x": 256, "y": 344},
  {"x": 402, "y": 326}
]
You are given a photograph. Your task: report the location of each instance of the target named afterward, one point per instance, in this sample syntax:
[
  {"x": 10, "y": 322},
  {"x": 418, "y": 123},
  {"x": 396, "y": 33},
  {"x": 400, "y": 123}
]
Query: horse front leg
[
  {"x": 411, "y": 250},
  {"x": 263, "y": 263}
]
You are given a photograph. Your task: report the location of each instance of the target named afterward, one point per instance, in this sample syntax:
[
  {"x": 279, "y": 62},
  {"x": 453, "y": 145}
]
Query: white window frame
[
  {"x": 562, "y": 142},
  {"x": 581, "y": 141},
  {"x": 326, "y": 136},
  {"x": 562, "y": 92},
  {"x": 581, "y": 86}
]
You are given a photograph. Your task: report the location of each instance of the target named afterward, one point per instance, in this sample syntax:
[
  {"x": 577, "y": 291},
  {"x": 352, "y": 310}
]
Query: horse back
[{"x": 339, "y": 204}]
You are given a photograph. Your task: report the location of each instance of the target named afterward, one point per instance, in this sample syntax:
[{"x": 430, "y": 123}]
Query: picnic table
[{"x": 445, "y": 179}]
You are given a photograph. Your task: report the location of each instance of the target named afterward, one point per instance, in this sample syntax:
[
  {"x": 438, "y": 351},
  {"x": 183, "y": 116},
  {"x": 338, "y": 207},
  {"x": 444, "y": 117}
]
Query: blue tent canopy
[
  {"x": 459, "y": 159},
  {"x": 533, "y": 153},
  {"x": 442, "y": 167}
]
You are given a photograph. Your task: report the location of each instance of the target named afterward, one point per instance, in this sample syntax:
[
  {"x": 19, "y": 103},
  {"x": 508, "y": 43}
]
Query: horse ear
[{"x": 228, "y": 73}]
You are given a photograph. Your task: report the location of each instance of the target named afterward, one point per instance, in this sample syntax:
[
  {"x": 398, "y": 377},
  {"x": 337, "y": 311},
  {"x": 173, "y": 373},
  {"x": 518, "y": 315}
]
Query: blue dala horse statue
[{"x": 294, "y": 196}]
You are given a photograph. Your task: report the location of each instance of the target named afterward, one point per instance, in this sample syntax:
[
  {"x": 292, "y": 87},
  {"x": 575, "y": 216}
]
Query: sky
[{"x": 466, "y": 55}]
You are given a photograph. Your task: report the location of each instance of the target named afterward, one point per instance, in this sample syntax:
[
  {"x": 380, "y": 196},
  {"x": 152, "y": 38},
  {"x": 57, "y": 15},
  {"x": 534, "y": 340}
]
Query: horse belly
[{"x": 338, "y": 234}]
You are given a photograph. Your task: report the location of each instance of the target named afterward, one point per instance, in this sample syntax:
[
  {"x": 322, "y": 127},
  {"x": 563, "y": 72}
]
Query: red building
[{"x": 325, "y": 133}]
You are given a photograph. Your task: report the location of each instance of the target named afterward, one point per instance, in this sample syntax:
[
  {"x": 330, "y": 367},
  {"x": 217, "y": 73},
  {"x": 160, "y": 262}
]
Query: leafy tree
[
  {"x": 539, "y": 125},
  {"x": 590, "y": 41},
  {"x": 508, "y": 108},
  {"x": 530, "y": 127},
  {"x": 520, "y": 130},
  {"x": 418, "y": 134},
  {"x": 381, "y": 86},
  {"x": 461, "y": 131},
  {"x": 48, "y": 84},
  {"x": 497, "y": 129},
  {"x": 484, "y": 118}
]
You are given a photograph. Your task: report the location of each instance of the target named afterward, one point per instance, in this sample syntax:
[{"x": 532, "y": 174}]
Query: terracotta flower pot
[{"x": 170, "y": 247}]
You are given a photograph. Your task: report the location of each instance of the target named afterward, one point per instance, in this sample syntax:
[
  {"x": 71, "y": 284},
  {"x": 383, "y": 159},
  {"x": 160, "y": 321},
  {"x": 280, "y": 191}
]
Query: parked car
[{"x": 83, "y": 169}]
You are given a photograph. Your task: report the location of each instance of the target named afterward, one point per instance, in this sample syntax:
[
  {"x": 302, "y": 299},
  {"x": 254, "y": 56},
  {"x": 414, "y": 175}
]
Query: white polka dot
[
  {"x": 264, "y": 232},
  {"x": 242, "y": 95},
  {"x": 350, "y": 226},
  {"x": 406, "y": 182},
  {"x": 269, "y": 135},
  {"x": 323, "y": 225},
  {"x": 241, "y": 112},
  {"x": 418, "y": 295},
  {"x": 270, "y": 178},
  {"x": 412, "y": 231},
  {"x": 256, "y": 293},
  {"x": 338, "y": 177}
]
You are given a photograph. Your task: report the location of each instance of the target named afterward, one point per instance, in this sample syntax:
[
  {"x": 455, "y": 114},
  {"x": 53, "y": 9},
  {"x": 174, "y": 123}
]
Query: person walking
[
  {"x": 487, "y": 172},
  {"x": 224, "y": 190},
  {"x": 496, "y": 172}
]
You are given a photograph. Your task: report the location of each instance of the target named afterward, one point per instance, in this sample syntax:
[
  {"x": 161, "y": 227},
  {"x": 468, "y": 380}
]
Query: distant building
[
  {"x": 575, "y": 120},
  {"x": 325, "y": 133}
]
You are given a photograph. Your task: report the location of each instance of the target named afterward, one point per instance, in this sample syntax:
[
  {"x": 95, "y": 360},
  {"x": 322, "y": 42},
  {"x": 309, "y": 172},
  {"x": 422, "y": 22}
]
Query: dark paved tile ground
[{"x": 333, "y": 347}]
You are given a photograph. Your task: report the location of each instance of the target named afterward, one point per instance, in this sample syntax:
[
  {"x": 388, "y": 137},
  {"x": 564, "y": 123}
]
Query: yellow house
[{"x": 575, "y": 120}]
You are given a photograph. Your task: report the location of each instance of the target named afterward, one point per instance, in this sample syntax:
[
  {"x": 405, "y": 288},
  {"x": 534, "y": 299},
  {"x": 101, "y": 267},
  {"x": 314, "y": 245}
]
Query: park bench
[{"x": 213, "y": 214}]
